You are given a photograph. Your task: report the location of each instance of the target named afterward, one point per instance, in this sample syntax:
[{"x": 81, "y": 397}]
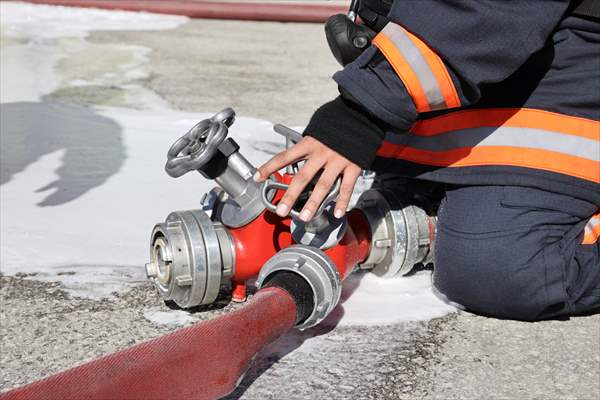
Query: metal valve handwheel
[{"x": 195, "y": 149}]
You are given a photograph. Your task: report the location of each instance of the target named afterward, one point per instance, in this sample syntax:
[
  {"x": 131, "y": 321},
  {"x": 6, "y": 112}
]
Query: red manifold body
[{"x": 258, "y": 241}]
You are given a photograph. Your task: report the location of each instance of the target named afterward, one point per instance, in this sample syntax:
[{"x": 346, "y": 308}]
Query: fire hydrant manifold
[{"x": 236, "y": 236}]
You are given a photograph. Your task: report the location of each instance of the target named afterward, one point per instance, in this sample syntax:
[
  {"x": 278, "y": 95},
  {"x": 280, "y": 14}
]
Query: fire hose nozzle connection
[
  {"x": 190, "y": 256},
  {"x": 233, "y": 239},
  {"x": 402, "y": 234},
  {"x": 317, "y": 269}
]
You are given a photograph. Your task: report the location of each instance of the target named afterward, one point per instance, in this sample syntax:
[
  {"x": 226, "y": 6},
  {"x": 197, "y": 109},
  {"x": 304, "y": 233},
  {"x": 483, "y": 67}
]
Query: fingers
[
  {"x": 283, "y": 159},
  {"x": 317, "y": 157},
  {"x": 321, "y": 190},
  {"x": 351, "y": 175},
  {"x": 303, "y": 178}
]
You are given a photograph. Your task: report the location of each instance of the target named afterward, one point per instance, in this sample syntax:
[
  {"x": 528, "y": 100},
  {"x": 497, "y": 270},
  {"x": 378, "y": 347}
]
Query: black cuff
[
  {"x": 298, "y": 288},
  {"x": 349, "y": 129}
]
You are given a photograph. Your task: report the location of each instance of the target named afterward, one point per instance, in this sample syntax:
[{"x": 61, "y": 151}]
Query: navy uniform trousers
[{"x": 516, "y": 252}]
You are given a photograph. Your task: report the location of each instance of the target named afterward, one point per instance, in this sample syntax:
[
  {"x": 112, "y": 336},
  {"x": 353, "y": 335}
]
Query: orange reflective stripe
[
  {"x": 404, "y": 71},
  {"x": 592, "y": 230},
  {"x": 512, "y": 117},
  {"x": 592, "y": 235},
  {"x": 440, "y": 72},
  {"x": 422, "y": 71},
  {"x": 497, "y": 155}
]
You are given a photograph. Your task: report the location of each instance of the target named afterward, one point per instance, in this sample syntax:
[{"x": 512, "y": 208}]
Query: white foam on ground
[
  {"x": 35, "y": 21},
  {"x": 110, "y": 224},
  {"x": 39, "y": 32},
  {"x": 171, "y": 318},
  {"x": 98, "y": 243},
  {"x": 21, "y": 63},
  {"x": 379, "y": 301}
]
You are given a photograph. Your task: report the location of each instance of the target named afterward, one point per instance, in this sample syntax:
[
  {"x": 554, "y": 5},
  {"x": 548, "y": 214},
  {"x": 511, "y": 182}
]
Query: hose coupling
[
  {"x": 316, "y": 269},
  {"x": 190, "y": 256},
  {"x": 403, "y": 235}
]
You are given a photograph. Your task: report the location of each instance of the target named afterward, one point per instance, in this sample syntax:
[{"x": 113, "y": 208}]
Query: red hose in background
[
  {"x": 204, "y": 361},
  {"x": 255, "y": 11}
]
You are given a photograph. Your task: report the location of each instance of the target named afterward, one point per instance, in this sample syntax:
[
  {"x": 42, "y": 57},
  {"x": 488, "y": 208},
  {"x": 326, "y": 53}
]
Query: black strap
[
  {"x": 374, "y": 13},
  {"x": 587, "y": 8}
]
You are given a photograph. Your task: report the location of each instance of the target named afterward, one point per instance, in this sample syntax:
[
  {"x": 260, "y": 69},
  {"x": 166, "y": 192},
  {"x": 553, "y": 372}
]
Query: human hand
[{"x": 318, "y": 157}]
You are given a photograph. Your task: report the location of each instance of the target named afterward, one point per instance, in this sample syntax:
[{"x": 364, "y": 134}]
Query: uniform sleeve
[
  {"x": 340, "y": 122},
  {"x": 437, "y": 54}
]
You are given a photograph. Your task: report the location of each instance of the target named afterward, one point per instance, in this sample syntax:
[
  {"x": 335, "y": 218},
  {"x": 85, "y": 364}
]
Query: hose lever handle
[
  {"x": 291, "y": 138},
  {"x": 289, "y": 133},
  {"x": 269, "y": 185}
]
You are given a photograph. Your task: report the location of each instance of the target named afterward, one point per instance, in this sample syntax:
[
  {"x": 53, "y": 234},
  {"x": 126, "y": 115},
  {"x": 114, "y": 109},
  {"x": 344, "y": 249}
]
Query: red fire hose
[
  {"x": 299, "y": 286},
  {"x": 256, "y": 11},
  {"x": 205, "y": 361}
]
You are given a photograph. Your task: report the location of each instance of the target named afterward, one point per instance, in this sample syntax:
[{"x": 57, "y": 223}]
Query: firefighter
[{"x": 500, "y": 102}]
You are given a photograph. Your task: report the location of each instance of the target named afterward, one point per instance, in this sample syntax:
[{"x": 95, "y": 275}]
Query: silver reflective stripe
[
  {"x": 589, "y": 227},
  {"x": 502, "y": 136},
  {"x": 419, "y": 65},
  {"x": 595, "y": 221}
]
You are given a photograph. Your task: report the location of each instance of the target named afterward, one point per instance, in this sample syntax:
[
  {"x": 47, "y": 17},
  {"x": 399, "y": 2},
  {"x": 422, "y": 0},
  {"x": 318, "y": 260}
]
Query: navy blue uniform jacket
[{"x": 475, "y": 92}]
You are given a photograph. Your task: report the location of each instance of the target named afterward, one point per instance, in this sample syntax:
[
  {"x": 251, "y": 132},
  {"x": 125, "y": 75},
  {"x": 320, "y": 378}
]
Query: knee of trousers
[{"x": 489, "y": 276}]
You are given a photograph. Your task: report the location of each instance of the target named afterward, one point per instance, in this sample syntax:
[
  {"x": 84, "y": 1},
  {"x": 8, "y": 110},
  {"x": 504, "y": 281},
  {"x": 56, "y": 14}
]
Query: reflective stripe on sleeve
[
  {"x": 421, "y": 70},
  {"x": 514, "y": 137},
  {"x": 592, "y": 230}
]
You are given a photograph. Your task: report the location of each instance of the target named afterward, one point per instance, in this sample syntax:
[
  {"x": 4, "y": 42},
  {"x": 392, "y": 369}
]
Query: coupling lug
[
  {"x": 317, "y": 269},
  {"x": 402, "y": 232}
]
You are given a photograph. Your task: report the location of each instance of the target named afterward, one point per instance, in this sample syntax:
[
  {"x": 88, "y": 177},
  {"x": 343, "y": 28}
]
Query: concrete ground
[{"x": 280, "y": 72}]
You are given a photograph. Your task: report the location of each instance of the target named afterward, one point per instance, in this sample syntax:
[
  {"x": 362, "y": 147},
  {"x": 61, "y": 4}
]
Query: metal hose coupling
[
  {"x": 190, "y": 257},
  {"x": 403, "y": 235},
  {"x": 316, "y": 269}
]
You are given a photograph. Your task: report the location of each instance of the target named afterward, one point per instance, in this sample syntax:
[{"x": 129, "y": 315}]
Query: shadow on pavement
[{"x": 93, "y": 144}]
